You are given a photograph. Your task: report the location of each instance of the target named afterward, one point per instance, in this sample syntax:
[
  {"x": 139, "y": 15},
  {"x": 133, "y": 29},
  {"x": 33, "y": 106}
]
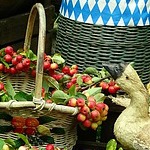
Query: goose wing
[{"x": 142, "y": 140}]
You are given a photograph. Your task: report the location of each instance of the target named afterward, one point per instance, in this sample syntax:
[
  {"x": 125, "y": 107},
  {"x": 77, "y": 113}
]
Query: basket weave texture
[
  {"x": 26, "y": 83},
  {"x": 90, "y": 45}
]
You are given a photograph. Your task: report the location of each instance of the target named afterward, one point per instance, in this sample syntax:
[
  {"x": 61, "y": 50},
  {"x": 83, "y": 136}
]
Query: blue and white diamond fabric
[{"x": 108, "y": 12}]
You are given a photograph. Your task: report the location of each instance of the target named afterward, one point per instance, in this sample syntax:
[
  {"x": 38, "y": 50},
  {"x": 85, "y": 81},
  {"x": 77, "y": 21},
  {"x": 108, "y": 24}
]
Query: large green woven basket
[{"x": 89, "y": 45}]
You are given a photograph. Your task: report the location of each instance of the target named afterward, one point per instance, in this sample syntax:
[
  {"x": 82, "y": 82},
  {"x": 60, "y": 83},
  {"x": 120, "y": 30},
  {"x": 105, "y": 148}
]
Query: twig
[{"x": 95, "y": 83}]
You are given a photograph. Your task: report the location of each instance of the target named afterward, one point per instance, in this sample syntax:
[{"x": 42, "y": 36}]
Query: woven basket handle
[{"x": 41, "y": 44}]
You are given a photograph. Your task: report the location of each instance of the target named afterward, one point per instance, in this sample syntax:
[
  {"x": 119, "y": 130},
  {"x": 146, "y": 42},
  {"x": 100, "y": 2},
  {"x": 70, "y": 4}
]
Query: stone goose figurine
[{"x": 132, "y": 127}]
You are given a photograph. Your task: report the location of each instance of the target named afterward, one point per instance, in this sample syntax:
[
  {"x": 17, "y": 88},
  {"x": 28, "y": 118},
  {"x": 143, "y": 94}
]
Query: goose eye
[{"x": 127, "y": 77}]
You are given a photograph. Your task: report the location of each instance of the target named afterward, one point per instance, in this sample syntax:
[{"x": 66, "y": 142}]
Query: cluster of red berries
[
  {"x": 25, "y": 125},
  {"x": 109, "y": 87},
  {"x": 87, "y": 79},
  {"x": 48, "y": 147},
  {"x": 16, "y": 62},
  {"x": 91, "y": 113}
]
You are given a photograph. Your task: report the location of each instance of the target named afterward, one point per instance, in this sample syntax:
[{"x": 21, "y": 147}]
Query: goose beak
[{"x": 115, "y": 70}]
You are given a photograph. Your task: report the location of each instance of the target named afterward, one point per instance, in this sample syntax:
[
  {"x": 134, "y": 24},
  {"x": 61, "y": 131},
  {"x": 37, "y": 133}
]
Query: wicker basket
[
  {"x": 37, "y": 107},
  {"x": 90, "y": 45}
]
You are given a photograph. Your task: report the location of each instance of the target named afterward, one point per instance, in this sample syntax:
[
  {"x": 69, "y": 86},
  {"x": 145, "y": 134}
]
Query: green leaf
[
  {"x": 93, "y": 91},
  {"x": 80, "y": 95},
  {"x": 58, "y": 131},
  {"x": 58, "y": 59},
  {"x": 45, "y": 119},
  {"x": 72, "y": 91},
  {"x": 19, "y": 142},
  {"x": 24, "y": 138},
  {"x": 4, "y": 129},
  {"x": 91, "y": 70},
  {"x": 1, "y": 143},
  {"x": 5, "y": 116},
  {"x": 10, "y": 142},
  {"x": 59, "y": 97},
  {"x": 96, "y": 79},
  {"x": 120, "y": 148},
  {"x": 31, "y": 55},
  {"x": 111, "y": 145},
  {"x": 10, "y": 89},
  {"x": 47, "y": 139},
  {"x": 99, "y": 97},
  {"x": 22, "y": 96},
  {"x": 79, "y": 80},
  {"x": 5, "y": 97},
  {"x": 5, "y": 63},
  {"x": 51, "y": 82}
]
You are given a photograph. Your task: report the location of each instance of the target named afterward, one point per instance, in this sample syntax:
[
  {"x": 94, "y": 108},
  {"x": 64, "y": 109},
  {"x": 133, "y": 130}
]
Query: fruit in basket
[
  {"x": 72, "y": 102},
  {"x": 80, "y": 102},
  {"x": 46, "y": 65},
  {"x": 23, "y": 148},
  {"x": 5, "y": 147},
  {"x": 81, "y": 117},
  {"x": 19, "y": 66},
  {"x": 8, "y": 58},
  {"x": 18, "y": 121},
  {"x": 9, "y": 50},
  {"x": 1, "y": 67},
  {"x": 31, "y": 122},
  {"x": 1, "y": 86},
  {"x": 100, "y": 107},
  {"x": 91, "y": 104},
  {"x": 30, "y": 130},
  {"x": 50, "y": 147},
  {"x": 54, "y": 66},
  {"x": 111, "y": 89},
  {"x": 95, "y": 115},
  {"x": 19, "y": 58},
  {"x": 87, "y": 123},
  {"x": 104, "y": 85},
  {"x": 66, "y": 69},
  {"x": 85, "y": 110},
  {"x": 94, "y": 125},
  {"x": 18, "y": 130}
]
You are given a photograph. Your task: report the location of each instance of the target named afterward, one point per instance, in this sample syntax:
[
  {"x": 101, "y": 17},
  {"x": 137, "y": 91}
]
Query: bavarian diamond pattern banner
[{"x": 108, "y": 12}]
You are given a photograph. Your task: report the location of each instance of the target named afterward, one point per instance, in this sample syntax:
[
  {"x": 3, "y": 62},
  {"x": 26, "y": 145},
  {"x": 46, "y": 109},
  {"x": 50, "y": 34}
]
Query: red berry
[
  {"x": 8, "y": 58},
  {"x": 74, "y": 67},
  {"x": 72, "y": 72},
  {"x": 69, "y": 84},
  {"x": 117, "y": 87},
  {"x": 50, "y": 147},
  {"x": 111, "y": 90},
  {"x": 1, "y": 67},
  {"x": 14, "y": 61},
  {"x": 13, "y": 70},
  {"x": 31, "y": 122},
  {"x": 18, "y": 121},
  {"x": 58, "y": 77},
  {"x": 9, "y": 50},
  {"x": 111, "y": 83},
  {"x": 18, "y": 130},
  {"x": 46, "y": 65},
  {"x": 74, "y": 80},
  {"x": 19, "y": 58},
  {"x": 104, "y": 85},
  {"x": 54, "y": 66},
  {"x": 33, "y": 73},
  {"x": 1, "y": 86},
  {"x": 30, "y": 130},
  {"x": 66, "y": 70},
  {"x": 26, "y": 62},
  {"x": 19, "y": 66}
]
